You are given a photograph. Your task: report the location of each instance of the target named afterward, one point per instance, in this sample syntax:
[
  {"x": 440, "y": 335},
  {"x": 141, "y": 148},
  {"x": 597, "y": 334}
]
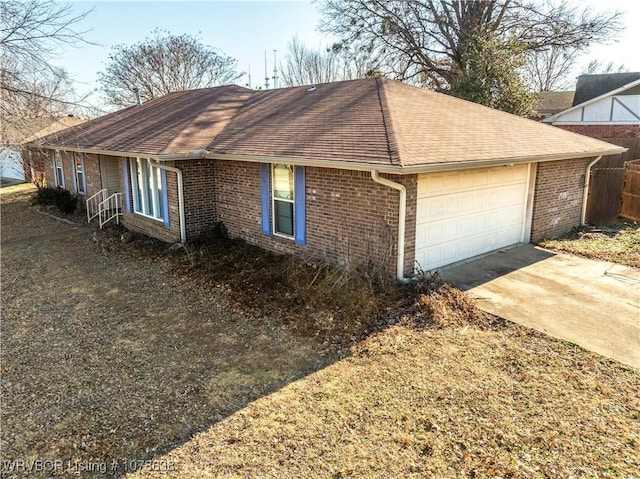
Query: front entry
[{"x": 110, "y": 174}]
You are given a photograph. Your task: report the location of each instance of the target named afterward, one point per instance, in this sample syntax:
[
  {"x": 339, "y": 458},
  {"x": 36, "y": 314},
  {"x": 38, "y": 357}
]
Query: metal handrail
[
  {"x": 110, "y": 208},
  {"x": 93, "y": 204}
]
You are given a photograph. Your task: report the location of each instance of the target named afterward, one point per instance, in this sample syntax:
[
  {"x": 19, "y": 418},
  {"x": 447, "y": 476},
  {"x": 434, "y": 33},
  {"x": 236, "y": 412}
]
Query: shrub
[{"x": 63, "y": 199}]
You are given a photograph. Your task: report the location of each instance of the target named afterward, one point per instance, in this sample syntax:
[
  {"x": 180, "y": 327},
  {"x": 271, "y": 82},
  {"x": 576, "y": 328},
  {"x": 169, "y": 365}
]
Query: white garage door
[{"x": 467, "y": 213}]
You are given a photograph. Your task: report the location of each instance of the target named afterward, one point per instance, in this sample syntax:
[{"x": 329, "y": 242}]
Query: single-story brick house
[{"x": 352, "y": 172}]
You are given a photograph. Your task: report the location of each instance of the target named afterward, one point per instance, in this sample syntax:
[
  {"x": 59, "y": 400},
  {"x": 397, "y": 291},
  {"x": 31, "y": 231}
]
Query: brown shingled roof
[
  {"x": 180, "y": 122},
  {"x": 431, "y": 127},
  {"x": 370, "y": 121},
  {"x": 340, "y": 120}
]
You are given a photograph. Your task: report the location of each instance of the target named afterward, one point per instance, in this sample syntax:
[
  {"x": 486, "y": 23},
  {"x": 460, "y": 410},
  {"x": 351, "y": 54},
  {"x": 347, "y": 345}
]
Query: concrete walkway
[{"x": 594, "y": 304}]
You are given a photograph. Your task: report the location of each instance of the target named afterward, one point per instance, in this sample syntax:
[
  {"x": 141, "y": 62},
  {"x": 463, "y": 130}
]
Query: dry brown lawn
[
  {"x": 111, "y": 357},
  {"x": 619, "y": 243}
]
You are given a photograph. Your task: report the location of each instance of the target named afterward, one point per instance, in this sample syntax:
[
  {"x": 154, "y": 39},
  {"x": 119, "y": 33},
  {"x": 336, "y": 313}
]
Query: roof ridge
[{"x": 393, "y": 149}]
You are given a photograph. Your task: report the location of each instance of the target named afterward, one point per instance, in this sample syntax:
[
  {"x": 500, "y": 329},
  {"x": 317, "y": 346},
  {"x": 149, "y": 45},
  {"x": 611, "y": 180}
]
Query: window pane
[
  {"x": 81, "y": 182},
  {"x": 136, "y": 178},
  {"x": 283, "y": 182},
  {"x": 284, "y": 217},
  {"x": 79, "y": 174},
  {"x": 148, "y": 188},
  {"x": 160, "y": 205}
]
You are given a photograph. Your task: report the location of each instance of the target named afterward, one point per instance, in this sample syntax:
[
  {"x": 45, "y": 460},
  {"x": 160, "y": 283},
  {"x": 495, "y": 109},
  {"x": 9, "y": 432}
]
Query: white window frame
[
  {"x": 140, "y": 169},
  {"x": 283, "y": 200},
  {"x": 81, "y": 187},
  {"x": 58, "y": 168}
]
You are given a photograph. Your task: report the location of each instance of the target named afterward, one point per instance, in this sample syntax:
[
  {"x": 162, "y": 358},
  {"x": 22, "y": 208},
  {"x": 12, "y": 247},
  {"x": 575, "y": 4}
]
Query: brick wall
[
  {"x": 92, "y": 172},
  {"x": 37, "y": 165},
  {"x": 350, "y": 219},
  {"x": 557, "y": 204},
  {"x": 42, "y": 164},
  {"x": 604, "y": 131},
  {"x": 199, "y": 194}
]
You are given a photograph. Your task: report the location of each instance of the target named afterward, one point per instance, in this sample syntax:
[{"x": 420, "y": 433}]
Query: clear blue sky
[
  {"x": 241, "y": 29},
  {"x": 246, "y": 29}
]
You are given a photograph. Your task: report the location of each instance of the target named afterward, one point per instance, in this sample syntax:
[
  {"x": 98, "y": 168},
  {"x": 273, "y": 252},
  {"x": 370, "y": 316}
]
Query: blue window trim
[
  {"x": 265, "y": 198},
  {"x": 299, "y": 205},
  {"x": 299, "y": 202},
  {"x": 165, "y": 197},
  {"x": 127, "y": 192}
]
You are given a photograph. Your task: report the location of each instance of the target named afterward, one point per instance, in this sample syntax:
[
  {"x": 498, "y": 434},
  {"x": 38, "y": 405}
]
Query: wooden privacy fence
[
  {"x": 605, "y": 192},
  {"x": 630, "y": 207}
]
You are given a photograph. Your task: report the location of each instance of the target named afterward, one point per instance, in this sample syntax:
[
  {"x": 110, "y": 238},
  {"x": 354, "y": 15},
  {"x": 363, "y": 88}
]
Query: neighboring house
[
  {"x": 13, "y": 139},
  {"x": 354, "y": 172},
  {"x": 549, "y": 103},
  {"x": 607, "y": 107}
]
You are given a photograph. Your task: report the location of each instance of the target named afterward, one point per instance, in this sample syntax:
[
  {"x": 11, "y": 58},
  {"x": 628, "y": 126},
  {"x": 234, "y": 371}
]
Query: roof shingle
[
  {"x": 592, "y": 86},
  {"x": 180, "y": 122},
  {"x": 373, "y": 121}
]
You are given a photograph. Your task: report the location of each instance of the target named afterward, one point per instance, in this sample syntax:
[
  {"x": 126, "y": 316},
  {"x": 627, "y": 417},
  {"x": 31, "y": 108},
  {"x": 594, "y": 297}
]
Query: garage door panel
[
  {"x": 468, "y": 213},
  {"x": 436, "y": 184}
]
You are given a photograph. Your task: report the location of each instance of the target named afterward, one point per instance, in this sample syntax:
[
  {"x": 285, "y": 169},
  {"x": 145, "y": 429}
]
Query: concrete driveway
[{"x": 594, "y": 304}]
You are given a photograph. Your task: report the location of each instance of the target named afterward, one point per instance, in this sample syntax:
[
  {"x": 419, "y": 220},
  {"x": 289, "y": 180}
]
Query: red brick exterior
[
  {"x": 559, "y": 192},
  {"x": 350, "y": 219},
  {"x": 36, "y": 165},
  {"x": 604, "y": 131},
  {"x": 92, "y": 172}
]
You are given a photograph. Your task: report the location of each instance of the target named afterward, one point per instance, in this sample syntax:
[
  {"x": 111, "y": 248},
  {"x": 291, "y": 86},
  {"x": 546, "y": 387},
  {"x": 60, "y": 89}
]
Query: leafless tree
[
  {"x": 305, "y": 66},
  {"x": 550, "y": 69},
  {"x": 32, "y": 32},
  {"x": 425, "y": 41},
  {"x": 597, "y": 67},
  {"x": 161, "y": 64}
]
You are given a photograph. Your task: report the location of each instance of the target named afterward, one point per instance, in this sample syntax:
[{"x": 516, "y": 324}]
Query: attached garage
[
  {"x": 462, "y": 214},
  {"x": 390, "y": 175}
]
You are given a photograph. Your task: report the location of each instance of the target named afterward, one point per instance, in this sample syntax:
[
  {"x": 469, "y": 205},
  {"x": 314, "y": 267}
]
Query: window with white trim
[
  {"x": 58, "y": 169},
  {"x": 146, "y": 186},
  {"x": 283, "y": 200},
  {"x": 80, "y": 179}
]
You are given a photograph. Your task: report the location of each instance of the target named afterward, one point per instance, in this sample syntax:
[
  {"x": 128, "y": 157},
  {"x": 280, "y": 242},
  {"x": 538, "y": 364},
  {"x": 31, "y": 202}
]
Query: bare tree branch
[
  {"x": 425, "y": 39},
  {"x": 162, "y": 64},
  {"x": 32, "y": 32}
]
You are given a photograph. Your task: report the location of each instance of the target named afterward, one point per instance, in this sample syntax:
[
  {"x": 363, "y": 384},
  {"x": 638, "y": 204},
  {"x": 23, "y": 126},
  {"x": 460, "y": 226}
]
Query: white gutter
[
  {"x": 402, "y": 217},
  {"x": 585, "y": 194},
  {"x": 343, "y": 164},
  {"x": 178, "y": 172}
]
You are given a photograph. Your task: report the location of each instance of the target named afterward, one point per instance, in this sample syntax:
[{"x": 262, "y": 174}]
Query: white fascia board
[
  {"x": 587, "y": 123},
  {"x": 354, "y": 165}
]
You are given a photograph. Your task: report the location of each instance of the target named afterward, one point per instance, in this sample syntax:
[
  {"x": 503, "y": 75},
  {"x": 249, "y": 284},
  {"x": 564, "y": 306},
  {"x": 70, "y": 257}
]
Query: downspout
[
  {"x": 402, "y": 216},
  {"x": 587, "y": 177},
  {"x": 178, "y": 172}
]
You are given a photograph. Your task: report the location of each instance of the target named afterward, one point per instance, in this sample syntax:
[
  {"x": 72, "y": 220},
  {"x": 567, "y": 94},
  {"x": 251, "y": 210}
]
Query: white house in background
[
  {"x": 13, "y": 139},
  {"x": 603, "y": 100}
]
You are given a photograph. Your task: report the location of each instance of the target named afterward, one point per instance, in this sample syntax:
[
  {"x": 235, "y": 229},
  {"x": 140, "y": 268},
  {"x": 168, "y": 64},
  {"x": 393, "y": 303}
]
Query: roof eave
[
  {"x": 344, "y": 164},
  {"x": 397, "y": 169}
]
